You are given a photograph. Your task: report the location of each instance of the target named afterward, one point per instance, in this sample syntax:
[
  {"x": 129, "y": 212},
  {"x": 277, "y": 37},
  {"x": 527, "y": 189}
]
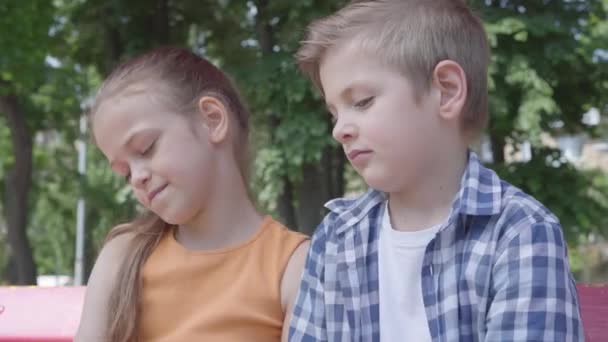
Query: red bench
[
  {"x": 594, "y": 308},
  {"x": 41, "y": 314},
  {"x": 29, "y": 314}
]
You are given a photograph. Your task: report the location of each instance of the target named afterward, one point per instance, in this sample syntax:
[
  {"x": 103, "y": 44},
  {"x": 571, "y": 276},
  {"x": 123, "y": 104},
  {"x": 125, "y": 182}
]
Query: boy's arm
[
  {"x": 308, "y": 315},
  {"x": 534, "y": 294}
]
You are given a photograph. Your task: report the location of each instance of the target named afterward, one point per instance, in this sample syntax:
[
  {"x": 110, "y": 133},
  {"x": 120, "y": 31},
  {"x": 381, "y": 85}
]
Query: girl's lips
[{"x": 155, "y": 192}]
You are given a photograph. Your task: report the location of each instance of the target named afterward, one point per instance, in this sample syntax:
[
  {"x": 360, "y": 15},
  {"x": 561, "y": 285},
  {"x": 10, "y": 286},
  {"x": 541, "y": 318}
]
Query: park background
[{"x": 548, "y": 132}]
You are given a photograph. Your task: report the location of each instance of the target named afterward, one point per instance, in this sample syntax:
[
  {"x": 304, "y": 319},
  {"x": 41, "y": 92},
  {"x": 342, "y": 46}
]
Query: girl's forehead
[
  {"x": 118, "y": 116},
  {"x": 118, "y": 111}
]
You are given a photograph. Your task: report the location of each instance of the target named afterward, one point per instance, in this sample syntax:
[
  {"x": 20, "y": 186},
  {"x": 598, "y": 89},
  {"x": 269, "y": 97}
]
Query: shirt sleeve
[
  {"x": 308, "y": 322},
  {"x": 534, "y": 296}
]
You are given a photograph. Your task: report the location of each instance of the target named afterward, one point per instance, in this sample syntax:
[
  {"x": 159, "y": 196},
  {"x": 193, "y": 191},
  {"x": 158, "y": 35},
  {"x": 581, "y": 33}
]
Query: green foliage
[
  {"x": 578, "y": 198},
  {"x": 24, "y": 26},
  {"x": 291, "y": 126},
  {"x": 5, "y": 145},
  {"x": 545, "y": 66},
  {"x": 549, "y": 66}
]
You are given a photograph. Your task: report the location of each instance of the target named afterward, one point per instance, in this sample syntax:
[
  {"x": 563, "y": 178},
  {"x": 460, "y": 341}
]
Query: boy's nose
[{"x": 344, "y": 131}]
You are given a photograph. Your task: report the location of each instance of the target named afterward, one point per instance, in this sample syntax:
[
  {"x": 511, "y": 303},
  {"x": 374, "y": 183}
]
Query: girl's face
[{"x": 165, "y": 156}]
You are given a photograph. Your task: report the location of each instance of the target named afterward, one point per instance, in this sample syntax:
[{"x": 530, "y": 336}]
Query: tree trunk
[
  {"x": 161, "y": 23},
  {"x": 11, "y": 270},
  {"x": 335, "y": 171},
  {"x": 265, "y": 36},
  {"x": 18, "y": 183},
  {"x": 113, "y": 42},
  {"x": 311, "y": 196},
  {"x": 285, "y": 206},
  {"x": 319, "y": 182},
  {"x": 498, "y": 148}
]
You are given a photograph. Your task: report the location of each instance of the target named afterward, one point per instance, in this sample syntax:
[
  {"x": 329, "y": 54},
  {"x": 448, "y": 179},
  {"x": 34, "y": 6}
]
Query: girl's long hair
[{"x": 181, "y": 78}]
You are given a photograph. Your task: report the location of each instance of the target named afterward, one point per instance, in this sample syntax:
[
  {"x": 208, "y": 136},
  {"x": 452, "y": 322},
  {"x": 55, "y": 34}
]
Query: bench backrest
[
  {"x": 42, "y": 314},
  {"x": 52, "y": 314},
  {"x": 594, "y": 309}
]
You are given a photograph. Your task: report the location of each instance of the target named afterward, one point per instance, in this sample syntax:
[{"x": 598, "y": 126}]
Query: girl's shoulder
[
  {"x": 283, "y": 231},
  {"x": 103, "y": 277}
]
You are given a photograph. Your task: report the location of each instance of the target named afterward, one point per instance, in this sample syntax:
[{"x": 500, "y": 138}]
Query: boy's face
[{"x": 387, "y": 135}]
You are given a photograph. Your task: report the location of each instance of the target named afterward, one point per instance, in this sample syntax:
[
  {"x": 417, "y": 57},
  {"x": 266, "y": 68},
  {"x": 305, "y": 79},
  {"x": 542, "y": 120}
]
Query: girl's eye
[
  {"x": 150, "y": 149},
  {"x": 364, "y": 103}
]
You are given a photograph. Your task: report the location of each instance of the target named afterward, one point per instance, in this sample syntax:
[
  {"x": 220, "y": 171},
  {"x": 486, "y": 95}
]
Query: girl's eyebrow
[{"x": 131, "y": 137}]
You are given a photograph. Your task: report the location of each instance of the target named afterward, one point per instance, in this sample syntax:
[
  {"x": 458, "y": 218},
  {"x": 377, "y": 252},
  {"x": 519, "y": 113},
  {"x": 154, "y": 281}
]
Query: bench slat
[
  {"x": 594, "y": 309},
  {"x": 30, "y": 314}
]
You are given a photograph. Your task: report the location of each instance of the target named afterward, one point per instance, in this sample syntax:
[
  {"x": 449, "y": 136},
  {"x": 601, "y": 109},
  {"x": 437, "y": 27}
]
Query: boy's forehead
[
  {"x": 347, "y": 46},
  {"x": 349, "y": 67},
  {"x": 339, "y": 59},
  {"x": 357, "y": 50}
]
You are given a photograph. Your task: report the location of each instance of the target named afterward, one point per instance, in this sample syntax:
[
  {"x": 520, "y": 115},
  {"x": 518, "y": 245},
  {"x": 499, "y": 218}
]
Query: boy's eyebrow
[{"x": 347, "y": 93}]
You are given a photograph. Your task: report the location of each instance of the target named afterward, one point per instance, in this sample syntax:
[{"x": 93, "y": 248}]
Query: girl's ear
[{"x": 215, "y": 118}]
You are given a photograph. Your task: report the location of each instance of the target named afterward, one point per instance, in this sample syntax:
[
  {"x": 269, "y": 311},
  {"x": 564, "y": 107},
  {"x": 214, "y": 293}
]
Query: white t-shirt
[{"x": 400, "y": 256}]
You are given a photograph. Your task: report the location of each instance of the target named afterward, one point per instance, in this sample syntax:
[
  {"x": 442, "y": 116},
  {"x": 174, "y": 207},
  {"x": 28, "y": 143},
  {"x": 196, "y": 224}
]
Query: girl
[{"x": 202, "y": 265}]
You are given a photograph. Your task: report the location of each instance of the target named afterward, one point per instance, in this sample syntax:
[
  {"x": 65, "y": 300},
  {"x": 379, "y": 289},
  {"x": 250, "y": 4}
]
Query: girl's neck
[{"x": 228, "y": 218}]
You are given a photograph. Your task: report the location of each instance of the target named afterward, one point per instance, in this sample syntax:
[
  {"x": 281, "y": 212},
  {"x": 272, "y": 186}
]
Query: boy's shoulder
[
  {"x": 504, "y": 214},
  {"x": 518, "y": 204},
  {"x": 484, "y": 193},
  {"x": 345, "y": 212},
  {"x": 523, "y": 217}
]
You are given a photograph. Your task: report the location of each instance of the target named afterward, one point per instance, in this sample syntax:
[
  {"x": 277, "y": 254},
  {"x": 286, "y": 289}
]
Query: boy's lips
[
  {"x": 155, "y": 192},
  {"x": 358, "y": 156}
]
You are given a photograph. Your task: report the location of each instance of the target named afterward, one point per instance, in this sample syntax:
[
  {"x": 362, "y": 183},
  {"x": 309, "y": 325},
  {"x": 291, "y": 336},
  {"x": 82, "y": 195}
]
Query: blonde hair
[
  {"x": 413, "y": 36},
  {"x": 183, "y": 78}
]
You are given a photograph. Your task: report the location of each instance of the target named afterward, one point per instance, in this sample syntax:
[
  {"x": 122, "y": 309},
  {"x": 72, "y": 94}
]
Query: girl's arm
[
  {"x": 94, "y": 318},
  {"x": 291, "y": 283}
]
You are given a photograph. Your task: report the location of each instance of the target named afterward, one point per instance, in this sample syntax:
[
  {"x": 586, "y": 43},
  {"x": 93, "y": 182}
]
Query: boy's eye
[
  {"x": 333, "y": 119},
  {"x": 364, "y": 103}
]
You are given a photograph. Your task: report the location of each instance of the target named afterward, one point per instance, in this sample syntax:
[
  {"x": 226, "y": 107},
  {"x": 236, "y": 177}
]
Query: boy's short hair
[{"x": 412, "y": 35}]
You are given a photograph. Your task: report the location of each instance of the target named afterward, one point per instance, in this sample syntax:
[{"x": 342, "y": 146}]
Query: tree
[
  {"x": 545, "y": 74},
  {"x": 549, "y": 66},
  {"x": 21, "y": 68}
]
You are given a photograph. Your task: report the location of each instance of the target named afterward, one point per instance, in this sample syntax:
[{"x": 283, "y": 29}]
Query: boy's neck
[{"x": 429, "y": 201}]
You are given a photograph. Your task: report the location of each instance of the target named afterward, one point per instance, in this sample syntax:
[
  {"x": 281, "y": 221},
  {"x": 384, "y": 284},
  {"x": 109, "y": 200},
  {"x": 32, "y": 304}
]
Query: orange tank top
[{"x": 231, "y": 294}]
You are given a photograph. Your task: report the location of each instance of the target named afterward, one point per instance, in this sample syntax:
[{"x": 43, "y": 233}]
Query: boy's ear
[
  {"x": 215, "y": 118},
  {"x": 451, "y": 81}
]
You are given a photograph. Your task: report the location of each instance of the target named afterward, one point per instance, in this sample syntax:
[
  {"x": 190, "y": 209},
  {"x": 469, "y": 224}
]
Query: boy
[{"x": 440, "y": 249}]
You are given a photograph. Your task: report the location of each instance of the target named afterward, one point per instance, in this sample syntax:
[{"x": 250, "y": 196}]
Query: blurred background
[{"x": 548, "y": 132}]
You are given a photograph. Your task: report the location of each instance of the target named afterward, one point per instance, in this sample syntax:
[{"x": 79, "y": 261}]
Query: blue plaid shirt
[{"x": 496, "y": 271}]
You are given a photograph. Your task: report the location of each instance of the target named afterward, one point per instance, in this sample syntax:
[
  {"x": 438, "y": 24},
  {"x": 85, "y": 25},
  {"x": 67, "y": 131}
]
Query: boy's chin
[
  {"x": 378, "y": 183},
  {"x": 382, "y": 183}
]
